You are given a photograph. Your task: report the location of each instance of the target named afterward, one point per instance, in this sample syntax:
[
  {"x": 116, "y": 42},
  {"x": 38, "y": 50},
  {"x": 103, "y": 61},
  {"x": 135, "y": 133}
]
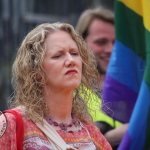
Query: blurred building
[{"x": 18, "y": 17}]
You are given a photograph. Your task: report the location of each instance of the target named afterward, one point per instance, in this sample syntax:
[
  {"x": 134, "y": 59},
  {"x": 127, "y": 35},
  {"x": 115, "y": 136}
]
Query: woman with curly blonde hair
[{"x": 52, "y": 75}]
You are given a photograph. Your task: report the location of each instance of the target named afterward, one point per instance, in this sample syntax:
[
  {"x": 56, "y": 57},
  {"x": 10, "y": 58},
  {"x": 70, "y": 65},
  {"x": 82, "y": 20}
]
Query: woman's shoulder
[
  {"x": 14, "y": 116},
  {"x": 10, "y": 114},
  {"x": 93, "y": 130},
  {"x": 8, "y": 131},
  {"x": 17, "y": 115},
  {"x": 10, "y": 118},
  {"x": 90, "y": 126},
  {"x": 97, "y": 136}
]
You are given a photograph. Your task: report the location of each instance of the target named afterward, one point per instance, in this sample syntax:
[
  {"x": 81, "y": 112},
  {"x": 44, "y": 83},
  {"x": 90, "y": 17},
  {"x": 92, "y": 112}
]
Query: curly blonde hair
[{"x": 28, "y": 66}]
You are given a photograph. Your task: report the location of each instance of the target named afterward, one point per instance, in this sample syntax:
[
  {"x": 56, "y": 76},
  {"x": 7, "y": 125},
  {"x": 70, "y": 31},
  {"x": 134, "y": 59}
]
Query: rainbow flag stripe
[{"x": 127, "y": 81}]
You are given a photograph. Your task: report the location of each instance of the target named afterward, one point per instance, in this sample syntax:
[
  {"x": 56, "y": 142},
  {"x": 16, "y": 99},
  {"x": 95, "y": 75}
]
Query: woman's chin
[{"x": 73, "y": 86}]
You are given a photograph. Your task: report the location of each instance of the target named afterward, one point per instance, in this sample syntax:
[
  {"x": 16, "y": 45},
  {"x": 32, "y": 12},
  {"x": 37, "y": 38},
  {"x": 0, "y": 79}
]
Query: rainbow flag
[{"x": 127, "y": 81}]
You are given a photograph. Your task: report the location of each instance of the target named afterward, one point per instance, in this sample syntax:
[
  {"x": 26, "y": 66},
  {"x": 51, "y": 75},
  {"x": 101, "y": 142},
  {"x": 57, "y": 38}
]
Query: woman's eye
[
  {"x": 56, "y": 56},
  {"x": 74, "y": 53}
]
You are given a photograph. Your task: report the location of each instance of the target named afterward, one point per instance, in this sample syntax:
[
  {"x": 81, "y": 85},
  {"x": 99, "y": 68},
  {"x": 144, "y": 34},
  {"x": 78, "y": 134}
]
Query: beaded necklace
[{"x": 63, "y": 126}]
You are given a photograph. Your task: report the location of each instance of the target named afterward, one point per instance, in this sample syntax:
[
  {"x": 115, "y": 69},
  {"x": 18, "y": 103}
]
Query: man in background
[{"x": 97, "y": 29}]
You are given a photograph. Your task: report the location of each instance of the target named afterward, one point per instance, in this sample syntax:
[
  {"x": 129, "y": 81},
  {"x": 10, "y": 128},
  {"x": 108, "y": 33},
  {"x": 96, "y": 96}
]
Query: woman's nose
[{"x": 69, "y": 59}]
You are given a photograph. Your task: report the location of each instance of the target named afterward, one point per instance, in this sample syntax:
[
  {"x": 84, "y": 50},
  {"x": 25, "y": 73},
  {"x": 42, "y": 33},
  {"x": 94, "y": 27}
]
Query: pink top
[{"x": 35, "y": 139}]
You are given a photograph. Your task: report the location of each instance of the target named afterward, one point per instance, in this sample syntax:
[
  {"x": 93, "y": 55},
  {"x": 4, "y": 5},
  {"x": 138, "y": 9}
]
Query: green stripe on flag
[
  {"x": 128, "y": 24},
  {"x": 147, "y": 69}
]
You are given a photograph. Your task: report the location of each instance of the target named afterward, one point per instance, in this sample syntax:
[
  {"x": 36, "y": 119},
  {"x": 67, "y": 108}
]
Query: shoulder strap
[
  {"x": 55, "y": 139},
  {"x": 19, "y": 127}
]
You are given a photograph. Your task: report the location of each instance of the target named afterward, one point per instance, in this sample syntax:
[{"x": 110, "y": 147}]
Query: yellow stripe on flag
[
  {"x": 135, "y": 5},
  {"x": 142, "y": 8},
  {"x": 146, "y": 13}
]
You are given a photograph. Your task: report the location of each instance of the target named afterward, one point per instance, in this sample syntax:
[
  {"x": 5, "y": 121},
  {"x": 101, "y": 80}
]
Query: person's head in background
[{"x": 97, "y": 28}]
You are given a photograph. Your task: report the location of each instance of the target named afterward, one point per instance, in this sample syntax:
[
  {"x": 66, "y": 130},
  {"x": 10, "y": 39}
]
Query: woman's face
[{"x": 62, "y": 62}]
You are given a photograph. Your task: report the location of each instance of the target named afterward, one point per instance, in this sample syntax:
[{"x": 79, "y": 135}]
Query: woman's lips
[{"x": 71, "y": 72}]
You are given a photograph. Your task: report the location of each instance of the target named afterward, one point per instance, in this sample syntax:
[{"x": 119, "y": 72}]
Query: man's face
[{"x": 100, "y": 39}]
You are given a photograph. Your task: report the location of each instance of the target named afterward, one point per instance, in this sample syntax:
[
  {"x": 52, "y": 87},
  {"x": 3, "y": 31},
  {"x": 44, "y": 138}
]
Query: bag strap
[
  {"x": 19, "y": 127},
  {"x": 54, "y": 138}
]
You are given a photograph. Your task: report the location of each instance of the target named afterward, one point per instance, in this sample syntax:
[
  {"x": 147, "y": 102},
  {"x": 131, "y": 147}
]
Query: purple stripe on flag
[
  {"x": 121, "y": 98},
  {"x": 125, "y": 144},
  {"x": 126, "y": 67}
]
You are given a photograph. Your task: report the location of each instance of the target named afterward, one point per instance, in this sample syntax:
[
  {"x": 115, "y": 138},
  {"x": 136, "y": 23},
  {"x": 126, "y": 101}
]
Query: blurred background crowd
[{"x": 18, "y": 17}]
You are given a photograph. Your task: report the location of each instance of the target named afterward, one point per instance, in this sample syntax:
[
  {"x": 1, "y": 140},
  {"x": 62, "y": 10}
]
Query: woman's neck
[{"x": 59, "y": 104}]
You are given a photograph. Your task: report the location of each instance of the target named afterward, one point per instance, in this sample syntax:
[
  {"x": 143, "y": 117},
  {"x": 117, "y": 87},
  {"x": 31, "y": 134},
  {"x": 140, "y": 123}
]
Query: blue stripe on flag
[
  {"x": 137, "y": 126},
  {"x": 126, "y": 67}
]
